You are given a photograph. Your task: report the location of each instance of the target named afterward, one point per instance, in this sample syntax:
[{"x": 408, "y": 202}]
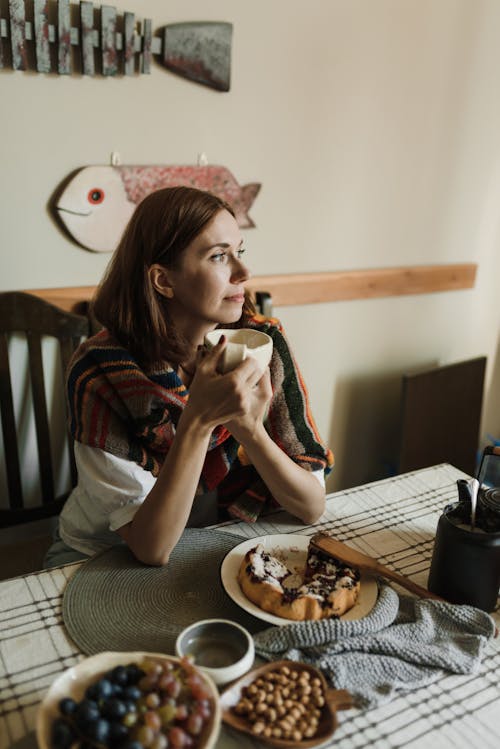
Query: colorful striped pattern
[{"x": 115, "y": 406}]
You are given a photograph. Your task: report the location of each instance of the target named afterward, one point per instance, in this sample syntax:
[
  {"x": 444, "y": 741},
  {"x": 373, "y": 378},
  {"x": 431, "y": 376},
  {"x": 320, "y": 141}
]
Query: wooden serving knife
[{"x": 364, "y": 563}]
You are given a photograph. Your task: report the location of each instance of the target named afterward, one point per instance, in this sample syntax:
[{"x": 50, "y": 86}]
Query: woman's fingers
[
  {"x": 249, "y": 371},
  {"x": 265, "y": 380},
  {"x": 212, "y": 357}
]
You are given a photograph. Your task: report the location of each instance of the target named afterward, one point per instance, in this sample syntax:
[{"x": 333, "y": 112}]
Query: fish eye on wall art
[
  {"x": 95, "y": 203},
  {"x": 85, "y": 39}
]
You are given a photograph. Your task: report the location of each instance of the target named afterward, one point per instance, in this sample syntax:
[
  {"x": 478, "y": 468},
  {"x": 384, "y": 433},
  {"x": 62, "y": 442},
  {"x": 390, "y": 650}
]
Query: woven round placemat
[{"x": 113, "y": 602}]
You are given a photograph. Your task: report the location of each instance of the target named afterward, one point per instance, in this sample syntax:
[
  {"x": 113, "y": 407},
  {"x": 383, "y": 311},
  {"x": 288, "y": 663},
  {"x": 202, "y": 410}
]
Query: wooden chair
[
  {"x": 22, "y": 313},
  {"x": 441, "y": 415},
  {"x": 264, "y": 303}
]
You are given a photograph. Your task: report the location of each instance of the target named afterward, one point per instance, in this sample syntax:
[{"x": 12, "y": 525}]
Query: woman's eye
[{"x": 222, "y": 257}]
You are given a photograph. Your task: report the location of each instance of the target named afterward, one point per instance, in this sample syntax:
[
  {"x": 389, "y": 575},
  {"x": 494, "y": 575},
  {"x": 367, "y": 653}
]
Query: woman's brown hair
[{"x": 126, "y": 303}]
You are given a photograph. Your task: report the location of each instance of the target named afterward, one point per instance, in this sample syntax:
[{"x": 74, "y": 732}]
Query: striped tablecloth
[{"x": 393, "y": 520}]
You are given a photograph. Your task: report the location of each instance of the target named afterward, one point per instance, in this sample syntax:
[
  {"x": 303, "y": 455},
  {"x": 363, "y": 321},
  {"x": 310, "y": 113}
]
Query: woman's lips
[{"x": 239, "y": 298}]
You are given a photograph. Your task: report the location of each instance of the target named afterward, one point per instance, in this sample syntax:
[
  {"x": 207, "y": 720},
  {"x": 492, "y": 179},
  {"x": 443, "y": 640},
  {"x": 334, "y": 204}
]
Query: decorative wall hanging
[
  {"x": 199, "y": 51},
  {"x": 95, "y": 203}
]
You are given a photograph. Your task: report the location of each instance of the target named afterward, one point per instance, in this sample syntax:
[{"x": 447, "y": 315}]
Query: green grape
[
  {"x": 152, "y": 700},
  {"x": 152, "y": 720},
  {"x": 130, "y": 719},
  {"x": 194, "y": 724},
  {"x": 167, "y": 714},
  {"x": 165, "y": 680},
  {"x": 145, "y": 735},
  {"x": 152, "y": 668},
  {"x": 160, "y": 742},
  {"x": 174, "y": 689},
  {"x": 178, "y": 738},
  {"x": 148, "y": 682}
]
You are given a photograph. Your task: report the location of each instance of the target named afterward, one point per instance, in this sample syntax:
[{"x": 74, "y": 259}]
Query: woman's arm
[
  {"x": 213, "y": 399},
  {"x": 293, "y": 487},
  {"x": 162, "y": 517}
]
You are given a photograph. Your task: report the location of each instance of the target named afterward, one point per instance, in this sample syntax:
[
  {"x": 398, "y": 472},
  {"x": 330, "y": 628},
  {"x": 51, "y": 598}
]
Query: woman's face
[{"x": 208, "y": 285}]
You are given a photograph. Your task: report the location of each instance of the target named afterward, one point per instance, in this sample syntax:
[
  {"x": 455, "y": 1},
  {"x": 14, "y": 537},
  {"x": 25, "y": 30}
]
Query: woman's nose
[{"x": 240, "y": 271}]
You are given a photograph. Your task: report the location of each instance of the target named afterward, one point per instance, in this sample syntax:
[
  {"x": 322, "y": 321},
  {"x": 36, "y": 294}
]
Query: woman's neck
[{"x": 192, "y": 331}]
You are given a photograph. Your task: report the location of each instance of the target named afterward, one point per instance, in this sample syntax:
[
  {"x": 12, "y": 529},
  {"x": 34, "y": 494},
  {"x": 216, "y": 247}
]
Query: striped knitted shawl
[{"x": 116, "y": 406}]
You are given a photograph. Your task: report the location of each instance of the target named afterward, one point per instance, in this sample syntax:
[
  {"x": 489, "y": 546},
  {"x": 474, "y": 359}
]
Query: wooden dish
[{"x": 335, "y": 699}]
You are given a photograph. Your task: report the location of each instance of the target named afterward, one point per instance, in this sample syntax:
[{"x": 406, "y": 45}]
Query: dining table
[{"x": 393, "y": 519}]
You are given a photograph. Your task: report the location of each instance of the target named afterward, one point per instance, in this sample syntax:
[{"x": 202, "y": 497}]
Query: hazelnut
[
  {"x": 258, "y": 728},
  {"x": 271, "y": 714}
]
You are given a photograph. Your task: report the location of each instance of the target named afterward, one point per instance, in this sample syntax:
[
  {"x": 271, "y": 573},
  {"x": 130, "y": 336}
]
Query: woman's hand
[
  {"x": 257, "y": 397},
  {"x": 237, "y": 399}
]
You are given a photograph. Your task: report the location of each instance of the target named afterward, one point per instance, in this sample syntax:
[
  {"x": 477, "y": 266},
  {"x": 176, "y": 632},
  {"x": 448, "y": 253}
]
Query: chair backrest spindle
[
  {"x": 68, "y": 344},
  {"x": 12, "y": 466},
  {"x": 41, "y": 418}
]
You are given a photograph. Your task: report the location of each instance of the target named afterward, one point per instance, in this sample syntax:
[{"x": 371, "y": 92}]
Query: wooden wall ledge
[{"x": 313, "y": 288}]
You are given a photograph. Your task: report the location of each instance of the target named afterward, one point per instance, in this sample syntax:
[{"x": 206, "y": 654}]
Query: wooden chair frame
[{"x": 26, "y": 314}]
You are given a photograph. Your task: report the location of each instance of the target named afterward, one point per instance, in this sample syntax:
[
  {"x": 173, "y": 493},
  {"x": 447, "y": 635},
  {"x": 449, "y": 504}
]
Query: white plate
[
  {"x": 291, "y": 549},
  {"x": 74, "y": 681}
]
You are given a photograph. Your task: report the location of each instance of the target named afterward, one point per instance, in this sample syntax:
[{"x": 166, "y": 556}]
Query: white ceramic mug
[{"x": 242, "y": 342}]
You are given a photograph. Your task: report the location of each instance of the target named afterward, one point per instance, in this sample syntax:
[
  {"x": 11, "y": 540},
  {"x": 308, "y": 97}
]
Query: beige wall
[{"x": 374, "y": 128}]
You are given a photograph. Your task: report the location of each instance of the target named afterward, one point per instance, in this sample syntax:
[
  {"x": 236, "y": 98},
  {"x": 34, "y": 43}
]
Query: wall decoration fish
[
  {"x": 42, "y": 33},
  {"x": 97, "y": 201}
]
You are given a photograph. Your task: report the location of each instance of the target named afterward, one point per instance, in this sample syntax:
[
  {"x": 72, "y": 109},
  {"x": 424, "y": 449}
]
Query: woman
[{"x": 155, "y": 423}]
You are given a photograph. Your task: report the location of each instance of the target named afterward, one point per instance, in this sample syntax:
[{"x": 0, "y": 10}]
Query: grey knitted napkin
[{"x": 402, "y": 644}]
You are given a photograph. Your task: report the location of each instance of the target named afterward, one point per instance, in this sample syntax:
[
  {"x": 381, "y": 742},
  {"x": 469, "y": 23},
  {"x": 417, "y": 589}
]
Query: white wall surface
[{"x": 374, "y": 128}]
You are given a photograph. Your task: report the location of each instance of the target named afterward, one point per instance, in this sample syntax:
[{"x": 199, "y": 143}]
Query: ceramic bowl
[
  {"x": 242, "y": 342},
  {"x": 74, "y": 681},
  {"x": 221, "y": 648}
]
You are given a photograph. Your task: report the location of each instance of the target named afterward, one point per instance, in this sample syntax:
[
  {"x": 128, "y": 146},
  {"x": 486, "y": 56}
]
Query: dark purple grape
[
  {"x": 86, "y": 712},
  {"x": 101, "y": 690},
  {"x": 98, "y": 731},
  {"x": 67, "y": 706},
  {"x": 63, "y": 734},
  {"x": 117, "y": 734},
  {"x": 119, "y": 675},
  {"x": 114, "y": 709},
  {"x": 132, "y": 745},
  {"x": 132, "y": 693},
  {"x": 134, "y": 673}
]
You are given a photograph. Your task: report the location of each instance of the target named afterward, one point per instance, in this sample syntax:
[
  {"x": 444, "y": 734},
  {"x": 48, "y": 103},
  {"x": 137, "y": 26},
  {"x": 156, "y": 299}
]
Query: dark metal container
[{"x": 465, "y": 565}]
